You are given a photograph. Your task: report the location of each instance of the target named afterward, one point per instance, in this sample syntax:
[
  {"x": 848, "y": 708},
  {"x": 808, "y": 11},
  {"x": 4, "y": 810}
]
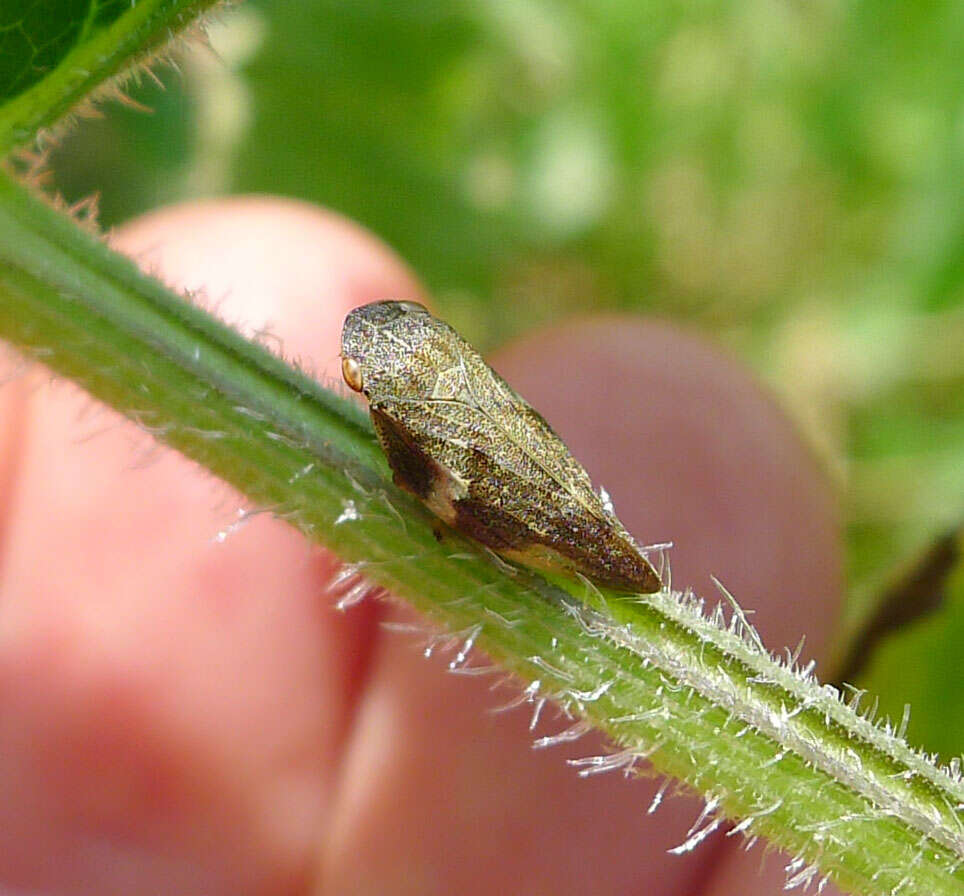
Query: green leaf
[
  {"x": 35, "y": 37},
  {"x": 53, "y": 55}
]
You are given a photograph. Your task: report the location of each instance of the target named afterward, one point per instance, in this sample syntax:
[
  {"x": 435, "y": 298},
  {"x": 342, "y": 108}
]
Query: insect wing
[{"x": 493, "y": 489}]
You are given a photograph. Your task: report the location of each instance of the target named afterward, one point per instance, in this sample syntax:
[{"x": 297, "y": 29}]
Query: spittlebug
[{"x": 462, "y": 441}]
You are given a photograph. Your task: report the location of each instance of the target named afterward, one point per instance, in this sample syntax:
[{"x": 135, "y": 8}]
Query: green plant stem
[
  {"x": 765, "y": 743},
  {"x": 99, "y": 54}
]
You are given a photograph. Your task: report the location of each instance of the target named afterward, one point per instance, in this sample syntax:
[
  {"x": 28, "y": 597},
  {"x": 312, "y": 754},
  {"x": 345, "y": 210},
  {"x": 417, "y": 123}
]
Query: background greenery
[{"x": 786, "y": 177}]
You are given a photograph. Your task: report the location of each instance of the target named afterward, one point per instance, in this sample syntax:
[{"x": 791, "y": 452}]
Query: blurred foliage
[
  {"x": 785, "y": 176},
  {"x": 921, "y": 669}
]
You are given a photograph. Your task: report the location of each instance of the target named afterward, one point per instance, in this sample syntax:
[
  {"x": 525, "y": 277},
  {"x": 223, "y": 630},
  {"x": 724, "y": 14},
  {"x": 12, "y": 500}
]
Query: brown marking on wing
[
  {"x": 493, "y": 527},
  {"x": 412, "y": 469}
]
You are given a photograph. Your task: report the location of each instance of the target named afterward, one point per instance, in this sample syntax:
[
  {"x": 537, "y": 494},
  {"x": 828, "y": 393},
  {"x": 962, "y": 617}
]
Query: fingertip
[{"x": 270, "y": 264}]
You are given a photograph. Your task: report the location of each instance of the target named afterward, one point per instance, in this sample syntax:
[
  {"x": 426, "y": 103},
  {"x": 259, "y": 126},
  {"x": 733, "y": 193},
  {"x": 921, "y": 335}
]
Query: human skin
[{"x": 180, "y": 714}]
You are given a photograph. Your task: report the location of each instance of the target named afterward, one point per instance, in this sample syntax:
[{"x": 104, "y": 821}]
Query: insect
[{"x": 460, "y": 439}]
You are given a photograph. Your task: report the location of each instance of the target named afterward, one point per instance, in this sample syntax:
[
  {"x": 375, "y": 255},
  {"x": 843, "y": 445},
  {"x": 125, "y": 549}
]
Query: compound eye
[{"x": 351, "y": 371}]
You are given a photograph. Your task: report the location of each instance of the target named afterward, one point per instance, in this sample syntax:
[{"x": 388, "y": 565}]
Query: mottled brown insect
[{"x": 461, "y": 440}]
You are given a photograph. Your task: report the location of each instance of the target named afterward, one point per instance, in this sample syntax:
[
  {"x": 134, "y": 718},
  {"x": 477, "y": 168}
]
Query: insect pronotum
[{"x": 460, "y": 439}]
